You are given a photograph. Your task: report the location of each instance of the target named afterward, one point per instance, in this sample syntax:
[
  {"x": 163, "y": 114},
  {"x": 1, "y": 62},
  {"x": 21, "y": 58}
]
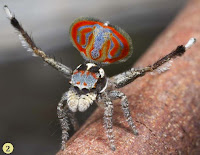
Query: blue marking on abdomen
[
  {"x": 79, "y": 29},
  {"x": 87, "y": 39},
  {"x": 111, "y": 47}
]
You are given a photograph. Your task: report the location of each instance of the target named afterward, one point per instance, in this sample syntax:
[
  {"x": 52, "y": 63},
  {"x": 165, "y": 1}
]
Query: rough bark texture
[{"x": 165, "y": 107}]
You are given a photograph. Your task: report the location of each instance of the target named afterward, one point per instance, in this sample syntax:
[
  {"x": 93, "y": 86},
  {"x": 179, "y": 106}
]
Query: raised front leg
[
  {"x": 64, "y": 114},
  {"x": 125, "y": 106},
  {"x": 127, "y": 77},
  {"x": 28, "y": 43}
]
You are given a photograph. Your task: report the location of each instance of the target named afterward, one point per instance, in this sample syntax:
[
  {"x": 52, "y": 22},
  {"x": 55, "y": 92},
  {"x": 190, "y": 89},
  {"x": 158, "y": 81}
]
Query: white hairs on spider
[
  {"x": 190, "y": 43},
  {"x": 21, "y": 38},
  {"x": 8, "y": 12},
  {"x": 163, "y": 68},
  {"x": 26, "y": 45},
  {"x": 168, "y": 64}
]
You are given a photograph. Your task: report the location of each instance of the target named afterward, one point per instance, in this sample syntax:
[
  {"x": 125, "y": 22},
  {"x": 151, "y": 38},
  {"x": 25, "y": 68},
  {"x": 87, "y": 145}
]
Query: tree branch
[{"x": 165, "y": 107}]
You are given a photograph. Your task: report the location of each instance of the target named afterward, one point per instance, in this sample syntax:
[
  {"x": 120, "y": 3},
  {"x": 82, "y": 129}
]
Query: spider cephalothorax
[
  {"x": 87, "y": 81},
  {"x": 99, "y": 43}
]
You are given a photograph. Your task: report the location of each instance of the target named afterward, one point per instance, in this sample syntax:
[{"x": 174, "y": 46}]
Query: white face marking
[
  {"x": 102, "y": 73},
  {"x": 80, "y": 102},
  {"x": 89, "y": 65}
]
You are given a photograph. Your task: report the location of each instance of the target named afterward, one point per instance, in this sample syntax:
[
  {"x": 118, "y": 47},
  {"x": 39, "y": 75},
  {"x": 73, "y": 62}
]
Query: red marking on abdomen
[
  {"x": 75, "y": 72},
  {"x": 115, "y": 48},
  {"x": 87, "y": 73},
  {"x": 78, "y": 82},
  {"x": 83, "y": 33},
  {"x": 82, "y": 72},
  {"x": 94, "y": 75}
]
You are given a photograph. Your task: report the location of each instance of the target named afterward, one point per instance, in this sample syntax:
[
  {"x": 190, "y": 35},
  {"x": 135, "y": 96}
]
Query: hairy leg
[
  {"x": 28, "y": 43},
  {"x": 108, "y": 114},
  {"x": 63, "y": 120},
  {"x": 72, "y": 118},
  {"x": 124, "y": 102},
  {"x": 64, "y": 114},
  {"x": 127, "y": 77}
]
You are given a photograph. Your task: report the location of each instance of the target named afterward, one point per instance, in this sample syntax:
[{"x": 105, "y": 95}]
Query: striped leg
[
  {"x": 108, "y": 113},
  {"x": 124, "y": 102},
  {"x": 28, "y": 43}
]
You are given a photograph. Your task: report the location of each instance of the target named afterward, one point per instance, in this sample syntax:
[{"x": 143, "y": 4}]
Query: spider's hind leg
[{"x": 125, "y": 106}]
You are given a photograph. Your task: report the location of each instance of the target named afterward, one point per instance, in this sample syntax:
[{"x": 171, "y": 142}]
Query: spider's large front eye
[
  {"x": 94, "y": 69},
  {"x": 93, "y": 89},
  {"x": 85, "y": 91},
  {"x": 76, "y": 88}
]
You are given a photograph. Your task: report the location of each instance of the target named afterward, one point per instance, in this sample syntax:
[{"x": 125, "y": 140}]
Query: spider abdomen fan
[{"x": 99, "y": 42}]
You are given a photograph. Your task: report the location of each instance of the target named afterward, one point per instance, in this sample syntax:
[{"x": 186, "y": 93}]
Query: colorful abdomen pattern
[{"x": 99, "y": 42}]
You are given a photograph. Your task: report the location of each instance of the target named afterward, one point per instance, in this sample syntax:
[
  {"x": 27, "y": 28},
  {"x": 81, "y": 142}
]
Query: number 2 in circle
[{"x": 7, "y": 148}]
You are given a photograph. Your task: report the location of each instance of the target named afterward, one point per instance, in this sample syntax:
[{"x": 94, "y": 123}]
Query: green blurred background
[{"x": 30, "y": 90}]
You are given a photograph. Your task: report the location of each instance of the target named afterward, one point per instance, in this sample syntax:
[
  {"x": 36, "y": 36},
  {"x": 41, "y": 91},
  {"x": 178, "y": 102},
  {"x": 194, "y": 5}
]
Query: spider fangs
[{"x": 100, "y": 44}]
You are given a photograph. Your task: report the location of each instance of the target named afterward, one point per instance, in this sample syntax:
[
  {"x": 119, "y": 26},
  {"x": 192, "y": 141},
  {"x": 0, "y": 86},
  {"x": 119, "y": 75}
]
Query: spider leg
[
  {"x": 108, "y": 125},
  {"x": 127, "y": 77},
  {"x": 72, "y": 118},
  {"x": 125, "y": 106},
  {"x": 64, "y": 114},
  {"x": 28, "y": 43}
]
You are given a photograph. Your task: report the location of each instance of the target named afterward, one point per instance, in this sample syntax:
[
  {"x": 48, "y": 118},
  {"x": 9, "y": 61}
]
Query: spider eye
[
  {"x": 76, "y": 88},
  {"x": 85, "y": 91},
  {"x": 94, "y": 69},
  {"x": 93, "y": 89}
]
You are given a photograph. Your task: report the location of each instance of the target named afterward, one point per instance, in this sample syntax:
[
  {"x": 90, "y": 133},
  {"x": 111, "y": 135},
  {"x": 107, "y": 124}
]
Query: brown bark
[{"x": 165, "y": 107}]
